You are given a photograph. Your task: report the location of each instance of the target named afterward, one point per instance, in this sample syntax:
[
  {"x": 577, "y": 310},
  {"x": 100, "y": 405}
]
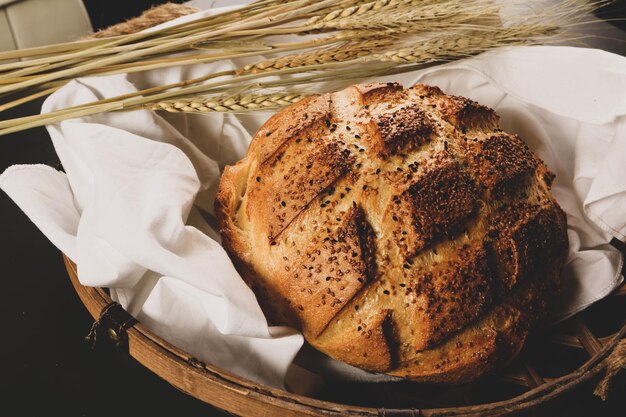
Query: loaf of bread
[{"x": 401, "y": 230}]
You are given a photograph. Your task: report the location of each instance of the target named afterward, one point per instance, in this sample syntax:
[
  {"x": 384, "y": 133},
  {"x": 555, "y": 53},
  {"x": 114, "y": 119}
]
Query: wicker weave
[{"x": 522, "y": 386}]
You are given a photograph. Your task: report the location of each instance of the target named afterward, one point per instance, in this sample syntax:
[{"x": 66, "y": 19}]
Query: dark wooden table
[{"x": 47, "y": 368}]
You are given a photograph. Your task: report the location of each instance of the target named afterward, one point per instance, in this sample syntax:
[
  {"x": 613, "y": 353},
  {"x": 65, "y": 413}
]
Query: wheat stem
[
  {"x": 235, "y": 103},
  {"x": 28, "y": 98},
  {"x": 409, "y": 14},
  {"x": 460, "y": 44},
  {"x": 465, "y": 44},
  {"x": 115, "y": 103},
  {"x": 363, "y": 7},
  {"x": 368, "y": 39},
  {"x": 345, "y": 52},
  {"x": 283, "y": 13},
  {"x": 201, "y": 23}
]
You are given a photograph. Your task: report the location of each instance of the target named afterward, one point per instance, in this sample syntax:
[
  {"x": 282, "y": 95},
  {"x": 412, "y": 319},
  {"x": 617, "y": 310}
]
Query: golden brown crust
[
  {"x": 434, "y": 207},
  {"x": 330, "y": 273},
  {"x": 399, "y": 229},
  {"x": 308, "y": 113},
  {"x": 503, "y": 164},
  {"x": 290, "y": 179},
  {"x": 368, "y": 346}
]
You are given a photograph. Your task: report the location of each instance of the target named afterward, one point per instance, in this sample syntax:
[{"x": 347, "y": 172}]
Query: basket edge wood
[{"x": 241, "y": 396}]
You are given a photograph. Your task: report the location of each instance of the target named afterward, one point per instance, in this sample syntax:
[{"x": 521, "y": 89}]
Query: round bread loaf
[{"x": 401, "y": 230}]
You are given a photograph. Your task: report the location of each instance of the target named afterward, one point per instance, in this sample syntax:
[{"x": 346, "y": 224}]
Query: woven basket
[
  {"x": 554, "y": 363},
  {"x": 586, "y": 347}
]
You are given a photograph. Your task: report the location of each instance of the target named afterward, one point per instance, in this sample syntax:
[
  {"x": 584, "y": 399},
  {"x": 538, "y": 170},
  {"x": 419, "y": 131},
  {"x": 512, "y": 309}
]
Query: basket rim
[{"x": 143, "y": 344}]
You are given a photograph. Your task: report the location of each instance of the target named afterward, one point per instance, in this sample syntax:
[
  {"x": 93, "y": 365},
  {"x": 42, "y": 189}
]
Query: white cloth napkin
[{"x": 134, "y": 210}]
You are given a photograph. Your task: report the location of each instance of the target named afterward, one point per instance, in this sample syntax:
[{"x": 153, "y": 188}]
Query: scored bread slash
[{"x": 401, "y": 230}]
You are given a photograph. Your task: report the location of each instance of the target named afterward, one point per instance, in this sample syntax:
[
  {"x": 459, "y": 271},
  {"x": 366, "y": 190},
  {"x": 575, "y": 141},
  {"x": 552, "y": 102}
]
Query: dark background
[{"x": 47, "y": 369}]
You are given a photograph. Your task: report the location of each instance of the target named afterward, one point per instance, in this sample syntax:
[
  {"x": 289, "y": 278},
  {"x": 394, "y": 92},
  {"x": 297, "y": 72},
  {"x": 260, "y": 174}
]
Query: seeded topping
[
  {"x": 401, "y": 230},
  {"x": 406, "y": 128},
  {"x": 288, "y": 182},
  {"x": 466, "y": 114},
  {"x": 345, "y": 259},
  {"x": 503, "y": 164},
  {"x": 436, "y": 206},
  {"x": 524, "y": 237},
  {"x": 276, "y": 131}
]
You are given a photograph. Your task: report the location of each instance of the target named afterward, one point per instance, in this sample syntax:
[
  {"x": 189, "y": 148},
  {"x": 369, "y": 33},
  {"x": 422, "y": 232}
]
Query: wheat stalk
[
  {"x": 275, "y": 16},
  {"x": 234, "y": 103},
  {"x": 466, "y": 43},
  {"x": 426, "y": 51},
  {"x": 408, "y": 14},
  {"x": 393, "y": 17},
  {"x": 256, "y": 8},
  {"x": 362, "y": 8},
  {"x": 77, "y": 64},
  {"x": 345, "y": 52},
  {"x": 368, "y": 39},
  {"x": 332, "y": 72},
  {"x": 437, "y": 49}
]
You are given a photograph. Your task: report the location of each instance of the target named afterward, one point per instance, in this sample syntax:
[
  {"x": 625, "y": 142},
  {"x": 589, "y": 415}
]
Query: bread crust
[{"x": 401, "y": 230}]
